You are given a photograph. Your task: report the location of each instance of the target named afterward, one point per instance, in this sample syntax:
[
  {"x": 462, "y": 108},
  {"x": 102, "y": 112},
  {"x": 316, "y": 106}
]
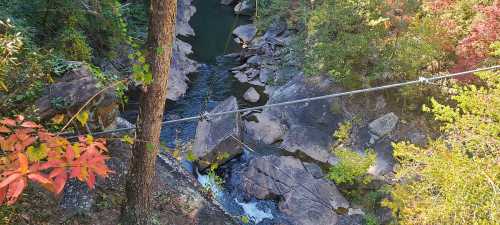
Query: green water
[{"x": 213, "y": 24}]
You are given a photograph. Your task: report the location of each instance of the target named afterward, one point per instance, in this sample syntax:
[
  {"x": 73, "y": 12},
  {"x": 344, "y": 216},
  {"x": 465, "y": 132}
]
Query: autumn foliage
[{"x": 31, "y": 153}]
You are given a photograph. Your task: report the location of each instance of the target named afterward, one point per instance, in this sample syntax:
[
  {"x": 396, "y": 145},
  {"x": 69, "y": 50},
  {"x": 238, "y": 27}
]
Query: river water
[{"x": 213, "y": 24}]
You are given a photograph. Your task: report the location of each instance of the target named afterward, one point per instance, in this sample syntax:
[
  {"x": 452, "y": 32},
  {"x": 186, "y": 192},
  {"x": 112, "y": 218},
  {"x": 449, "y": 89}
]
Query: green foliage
[
  {"x": 343, "y": 133},
  {"x": 73, "y": 45},
  {"x": 141, "y": 70},
  {"x": 352, "y": 168},
  {"x": 370, "y": 219},
  {"x": 454, "y": 180}
]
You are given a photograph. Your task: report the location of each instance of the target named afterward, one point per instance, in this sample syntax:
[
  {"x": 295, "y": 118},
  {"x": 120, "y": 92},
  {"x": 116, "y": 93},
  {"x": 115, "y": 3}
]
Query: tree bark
[{"x": 138, "y": 210}]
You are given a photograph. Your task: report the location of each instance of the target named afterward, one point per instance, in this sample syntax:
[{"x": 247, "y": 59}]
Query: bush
[
  {"x": 73, "y": 46},
  {"x": 352, "y": 168},
  {"x": 455, "y": 179}
]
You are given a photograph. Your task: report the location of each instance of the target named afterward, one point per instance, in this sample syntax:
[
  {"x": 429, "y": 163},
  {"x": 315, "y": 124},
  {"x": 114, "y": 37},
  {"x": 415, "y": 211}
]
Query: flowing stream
[{"x": 213, "y": 24}]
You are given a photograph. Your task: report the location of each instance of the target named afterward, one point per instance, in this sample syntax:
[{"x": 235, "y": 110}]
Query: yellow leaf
[
  {"x": 2, "y": 85},
  {"x": 83, "y": 117},
  {"x": 58, "y": 119},
  {"x": 127, "y": 139}
]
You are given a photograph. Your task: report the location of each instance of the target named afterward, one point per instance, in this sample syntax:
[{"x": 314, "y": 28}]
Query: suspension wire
[{"x": 206, "y": 115}]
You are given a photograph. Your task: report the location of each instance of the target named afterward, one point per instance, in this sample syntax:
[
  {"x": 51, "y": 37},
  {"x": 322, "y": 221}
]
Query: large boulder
[
  {"x": 383, "y": 125},
  {"x": 308, "y": 126},
  {"x": 245, "y": 33},
  {"x": 245, "y": 7},
  {"x": 305, "y": 199},
  {"x": 251, "y": 95},
  {"x": 217, "y": 139},
  {"x": 72, "y": 91},
  {"x": 266, "y": 128}
]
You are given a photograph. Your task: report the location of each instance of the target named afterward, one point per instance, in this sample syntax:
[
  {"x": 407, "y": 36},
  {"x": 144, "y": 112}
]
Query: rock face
[
  {"x": 306, "y": 200},
  {"x": 308, "y": 126},
  {"x": 245, "y": 33},
  {"x": 245, "y": 7},
  {"x": 181, "y": 65},
  {"x": 251, "y": 95},
  {"x": 75, "y": 88},
  {"x": 216, "y": 139}
]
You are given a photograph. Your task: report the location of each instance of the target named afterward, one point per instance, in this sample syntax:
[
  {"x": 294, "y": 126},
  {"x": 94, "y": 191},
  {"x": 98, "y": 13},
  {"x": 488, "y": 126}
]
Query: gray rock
[
  {"x": 238, "y": 68},
  {"x": 309, "y": 125},
  {"x": 305, "y": 199},
  {"x": 276, "y": 28},
  {"x": 242, "y": 77},
  {"x": 245, "y": 32},
  {"x": 251, "y": 95},
  {"x": 216, "y": 137},
  {"x": 245, "y": 7},
  {"x": 266, "y": 129},
  {"x": 254, "y": 60},
  {"x": 383, "y": 125},
  {"x": 385, "y": 162},
  {"x": 77, "y": 199},
  {"x": 72, "y": 92},
  {"x": 314, "y": 170},
  {"x": 311, "y": 141},
  {"x": 265, "y": 74}
]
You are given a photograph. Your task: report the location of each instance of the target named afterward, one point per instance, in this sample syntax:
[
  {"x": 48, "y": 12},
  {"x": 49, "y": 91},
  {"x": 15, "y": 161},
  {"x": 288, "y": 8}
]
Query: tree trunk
[{"x": 137, "y": 210}]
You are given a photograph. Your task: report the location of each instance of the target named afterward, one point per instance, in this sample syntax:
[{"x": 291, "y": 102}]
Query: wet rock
[
  {"x": 251, "y": 95},
  {"x": 245, "y": 32},
  {"x": 245, "y": 7},
  {"x": 305, "y": 199},
  {"x": 215, "y": 139},
  {"x": 70, "y": 93},
  {"x": 252, "y": 73},
  {"x": 383, "y": 125},
  {"x": 238, "y": 68},
  {"x": 266, "y": 129}
]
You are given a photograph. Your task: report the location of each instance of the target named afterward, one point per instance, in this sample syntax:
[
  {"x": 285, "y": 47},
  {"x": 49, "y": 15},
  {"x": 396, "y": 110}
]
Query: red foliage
[
  {"x": 30, "y": 153},
  {"x": 474, "y": 48}
]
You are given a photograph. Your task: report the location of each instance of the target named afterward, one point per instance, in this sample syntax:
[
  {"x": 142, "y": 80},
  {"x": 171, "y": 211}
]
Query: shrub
[
  {"x": 455, "y": 179},
  {"x": 352, "y": 168},
  {"x": 29, "y": 153}
]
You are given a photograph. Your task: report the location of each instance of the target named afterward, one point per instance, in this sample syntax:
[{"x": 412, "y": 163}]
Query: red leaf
[
  {"x": 4, "y": 129},
  {"x": 10, "y": 179},
  {"x": 70, "y": 154},
  {"x": 8, "y": 122},
  {"x": 20, "y": 118},
  {"x": 38, "y": 177},
  {"x": 3, "y": 193},
  {"x": 91, "y": 181},
  {"x": 15, "y": 190},
  {"x": 23, "y": 163},
  {"x": 60, "y": 181},
  {"x": 57, "y": 172},
  {"x": 29, "y": 124}
]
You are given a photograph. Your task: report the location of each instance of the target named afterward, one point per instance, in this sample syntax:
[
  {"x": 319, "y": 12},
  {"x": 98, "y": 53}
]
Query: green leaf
[
  {"x": 148, "y": 78},
  {"x": 83, "y": 117},
  {"x": 190, "y": 156},
  {"x": 142, "y": 59},
  {"x": 37, "y": 154},
  {"x": 127, "y": 139},
  {"x": 245, "y": 219}
]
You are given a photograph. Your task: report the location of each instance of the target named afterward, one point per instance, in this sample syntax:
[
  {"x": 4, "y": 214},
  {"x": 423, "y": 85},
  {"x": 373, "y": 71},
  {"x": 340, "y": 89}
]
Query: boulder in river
[
  {"x": 245, "y": 7},
  {"x": 227, "y": 2},
  {"x": 308, "y": 125},
  {"x": 251, "y": 95},
  {"x": 217, "y": 139},
  {"x": 306, "y": 200},
  {"x": 245, "y": 33}
]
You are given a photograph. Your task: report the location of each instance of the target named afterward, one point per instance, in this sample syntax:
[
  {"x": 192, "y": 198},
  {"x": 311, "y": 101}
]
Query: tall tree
[{"x": 137, "y": 209}]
